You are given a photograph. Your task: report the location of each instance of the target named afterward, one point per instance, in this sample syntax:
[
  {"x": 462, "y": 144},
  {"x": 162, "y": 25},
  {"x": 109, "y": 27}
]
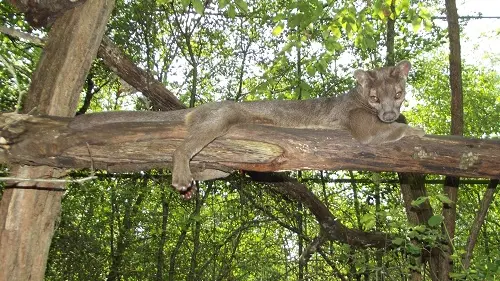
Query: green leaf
[
  {"x": 368, "y": 221},
  {"x": 242, "y": 5},
  {"x": 417, "y": 202},
  {"x": 198, "y": 6},
  {"x": 323, "y": 63},
  {"x": 335, "y": 30},
  {"x": 223, "y": 3},
  {"x": 354, "y": 26},
  {"x": 420, "y": 228},
  {"x": 435, "y": 220},
  {"x": 424, "y": 13},
  {"x": 311, "y": 70},
  {"x": 295, "y": 20},
  {"x": 457, "y": 276},
  {"x": 444, "y": 199},
  {"x": 303, "y": 90},
  {"x": 185, "y": 3},
  {"x": 405, "y": 5},
  {"x": 369, "y": 42},
  {"x": 376, "y": 178},
  {"x": 412, "y": 249},
  {"x": 398, "y": 241},
  {"x": 287, "y": 47},
  {"x": 381, "y": 14},
  {"x": 416, "y": 24},
  {"x": 231, "y": 12},
  {"x": 428, "y": 25},
  {"x": 278, "y": 29},
  {"x": 330, "y": 44},
  {"x": 279, "y": 17}
]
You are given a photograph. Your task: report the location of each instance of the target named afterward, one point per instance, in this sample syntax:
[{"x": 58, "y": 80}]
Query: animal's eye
[
  {"x": 374, "y": 99},
  {"x": 398, "y": 95}
]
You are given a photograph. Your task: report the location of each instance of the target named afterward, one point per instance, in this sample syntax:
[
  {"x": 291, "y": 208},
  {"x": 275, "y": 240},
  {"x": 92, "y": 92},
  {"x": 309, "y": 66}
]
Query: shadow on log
[{"x": 134, "y": 146}]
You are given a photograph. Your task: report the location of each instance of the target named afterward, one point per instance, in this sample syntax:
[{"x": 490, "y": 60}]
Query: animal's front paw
[
  {"x": 415, "y": 131},
  {"x": 184, "y": 184}
]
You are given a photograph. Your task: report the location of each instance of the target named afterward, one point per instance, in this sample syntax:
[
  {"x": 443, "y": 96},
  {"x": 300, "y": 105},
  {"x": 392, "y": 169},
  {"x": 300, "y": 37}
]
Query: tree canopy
[{"x": 301, "y": 225}]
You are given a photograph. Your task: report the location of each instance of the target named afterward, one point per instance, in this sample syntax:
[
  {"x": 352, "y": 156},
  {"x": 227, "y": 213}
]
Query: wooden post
[{"x": 29, "y": 210}]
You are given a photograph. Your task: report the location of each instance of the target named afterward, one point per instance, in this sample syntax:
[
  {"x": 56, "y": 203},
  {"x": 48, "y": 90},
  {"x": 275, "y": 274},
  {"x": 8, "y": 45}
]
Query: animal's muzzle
[{"x": 389, "y": 116}]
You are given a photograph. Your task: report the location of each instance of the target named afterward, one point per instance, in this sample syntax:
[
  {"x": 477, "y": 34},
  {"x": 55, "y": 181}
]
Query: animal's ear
[
  {"x": 402, "y": 69},
  {"x": 363, "y": 77}
]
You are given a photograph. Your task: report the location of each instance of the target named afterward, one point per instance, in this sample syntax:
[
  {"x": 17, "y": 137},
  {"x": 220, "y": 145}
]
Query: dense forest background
[{"x": 135, "y": 227}]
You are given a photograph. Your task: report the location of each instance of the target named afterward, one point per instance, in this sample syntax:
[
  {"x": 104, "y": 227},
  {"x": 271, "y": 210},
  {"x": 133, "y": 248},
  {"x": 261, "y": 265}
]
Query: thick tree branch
[
  {"x": 331, "y": 228},
  {"x": 136, "y": 146}
]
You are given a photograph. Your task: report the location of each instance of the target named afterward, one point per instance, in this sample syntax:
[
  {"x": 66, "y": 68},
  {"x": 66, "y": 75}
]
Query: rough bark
[
  {"x": 135, "y": 146},
  {"x": 391, "y": 35},
  {"x": 44, "y": 12},
  {"x": 29, "y": 210},
  {"x": 457, "y": 110},
  {"x": 413, "y": 187},
  {"x": 452, "y": 183},
  {"x": 67, "y": 56},
  {"x": 27, "y": 221}
]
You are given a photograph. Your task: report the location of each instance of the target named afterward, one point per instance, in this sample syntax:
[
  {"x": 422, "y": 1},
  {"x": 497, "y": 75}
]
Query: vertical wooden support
[{"x": 29, "y": 210}]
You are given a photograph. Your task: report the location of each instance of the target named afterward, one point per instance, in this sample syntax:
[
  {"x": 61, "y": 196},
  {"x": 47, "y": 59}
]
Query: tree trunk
[
  {"x": 196, "y": 244},
  {"x": 132, "y": 208},
  {"x": 451, "y": 183},
  {"x": 163, "y": 236},
  {"x": 29, "y": 210}
]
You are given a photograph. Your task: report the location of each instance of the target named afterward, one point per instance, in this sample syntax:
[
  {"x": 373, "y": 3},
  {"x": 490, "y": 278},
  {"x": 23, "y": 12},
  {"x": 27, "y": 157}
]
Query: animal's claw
[
  {"x": 186, "y": 190},
  {"x": 189, "y": 193}
]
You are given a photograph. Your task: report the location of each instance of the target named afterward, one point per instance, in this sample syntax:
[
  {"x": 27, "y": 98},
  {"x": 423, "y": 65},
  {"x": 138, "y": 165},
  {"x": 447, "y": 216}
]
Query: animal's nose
[{"x": 389, "y": 116}]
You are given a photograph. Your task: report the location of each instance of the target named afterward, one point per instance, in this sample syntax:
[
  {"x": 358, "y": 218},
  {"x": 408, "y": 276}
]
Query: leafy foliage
[
  {"x": 134, "y": 227},
  {"x": 17, "y": 60}
]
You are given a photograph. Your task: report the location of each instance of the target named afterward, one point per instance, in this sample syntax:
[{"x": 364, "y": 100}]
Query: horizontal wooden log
[{"x": 135, "y": 146}]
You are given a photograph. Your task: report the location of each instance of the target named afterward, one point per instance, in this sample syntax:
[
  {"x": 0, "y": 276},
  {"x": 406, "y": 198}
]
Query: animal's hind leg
[{"x": 204, "y": 125}]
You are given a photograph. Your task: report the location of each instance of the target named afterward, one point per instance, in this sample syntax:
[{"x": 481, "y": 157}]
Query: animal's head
[{"x": 383, "y": 89}]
